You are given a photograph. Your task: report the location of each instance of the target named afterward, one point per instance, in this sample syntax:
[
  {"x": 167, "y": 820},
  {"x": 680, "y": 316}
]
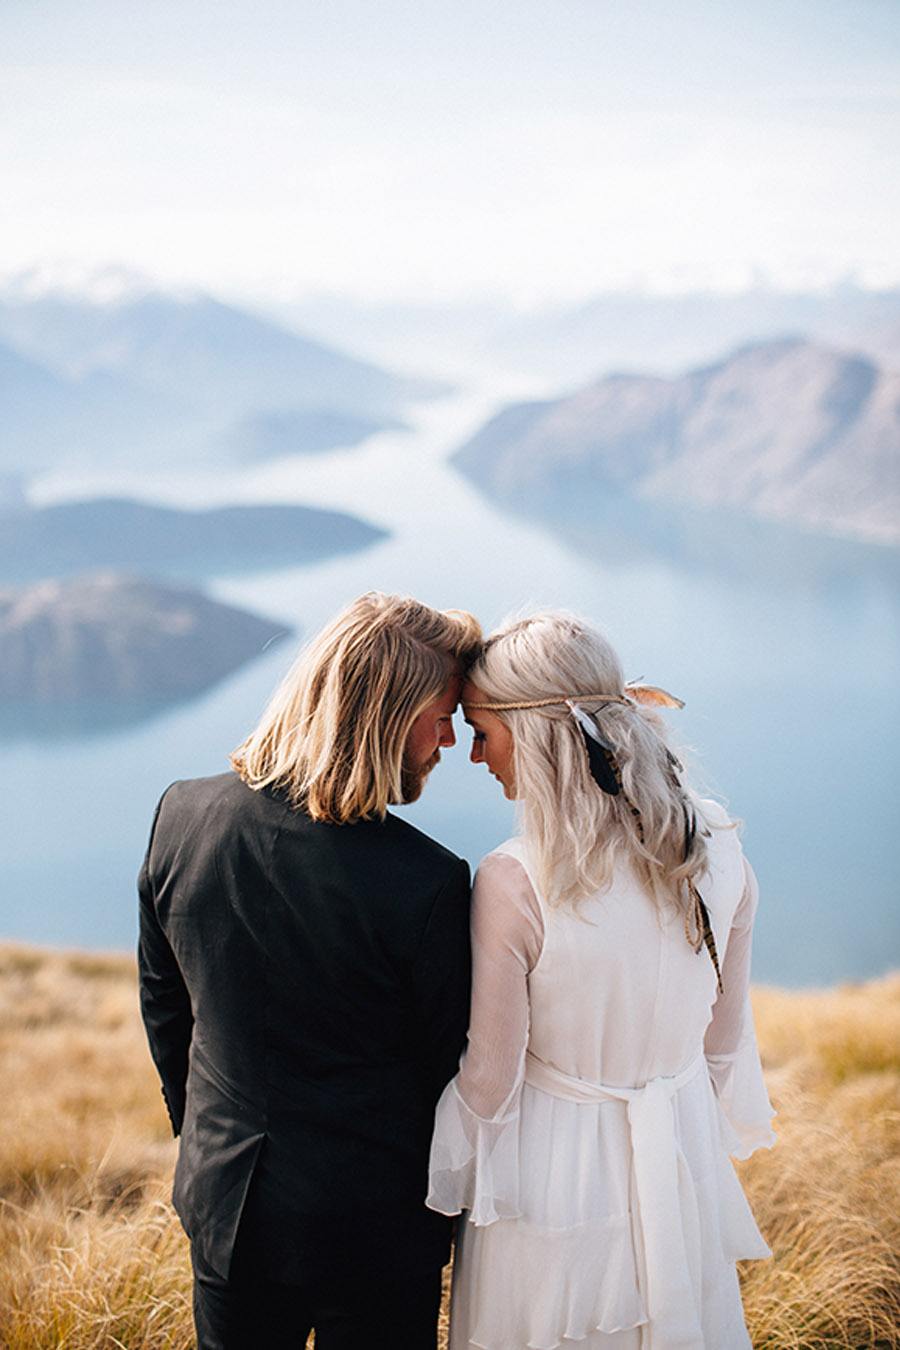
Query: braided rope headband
[
  {"x": 550, "y": 702},
  {"x": 634, "y": 693}
]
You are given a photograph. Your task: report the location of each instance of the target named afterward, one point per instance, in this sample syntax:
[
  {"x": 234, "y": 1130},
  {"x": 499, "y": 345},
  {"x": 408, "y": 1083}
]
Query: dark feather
[
  {"x": 690, "y": 828},
  {"x": 600, "y": 761},
  {"x": 704, "y": 932}
]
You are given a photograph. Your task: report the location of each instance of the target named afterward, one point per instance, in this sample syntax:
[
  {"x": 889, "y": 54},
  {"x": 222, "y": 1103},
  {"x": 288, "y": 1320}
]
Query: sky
[{"x": 537, "y": 150}]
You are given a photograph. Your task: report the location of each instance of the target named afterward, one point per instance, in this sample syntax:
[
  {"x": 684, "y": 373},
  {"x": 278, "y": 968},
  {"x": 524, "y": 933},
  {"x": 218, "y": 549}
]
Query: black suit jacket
[{"x": 305, "y": 990}]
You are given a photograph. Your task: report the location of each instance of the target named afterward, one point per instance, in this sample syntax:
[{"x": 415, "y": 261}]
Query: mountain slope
[
  {"x": 101, "y": 416},
  {"x": 785, "y": 430},
  {"x": 36, "y": 403},
  {"x": 213, "y": 356}
]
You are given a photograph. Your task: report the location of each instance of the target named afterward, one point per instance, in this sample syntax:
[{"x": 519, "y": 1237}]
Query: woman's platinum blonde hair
[
  {"x": 334, "y": 733},
  {"x": 574, "y": 831}
]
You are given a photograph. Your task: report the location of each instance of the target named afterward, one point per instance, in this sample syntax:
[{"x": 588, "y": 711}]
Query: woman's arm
[
  {"x": 474, "y": 1154},
  {"x": 730, "y": 1042},
  {"x": 507, "y": 935}
]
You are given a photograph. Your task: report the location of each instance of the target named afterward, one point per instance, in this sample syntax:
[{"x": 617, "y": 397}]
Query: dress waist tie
[{"x": 659, "y": 1173}]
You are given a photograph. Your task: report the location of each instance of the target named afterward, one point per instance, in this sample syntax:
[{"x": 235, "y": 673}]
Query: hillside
[
  {"x": 785, "y": 431},
  {"x": 120, "y": 640},
  {"x": 91, "y": 1254}
]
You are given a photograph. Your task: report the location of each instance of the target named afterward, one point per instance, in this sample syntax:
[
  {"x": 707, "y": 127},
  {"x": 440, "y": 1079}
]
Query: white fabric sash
[{"x": 664, "y": 1192}]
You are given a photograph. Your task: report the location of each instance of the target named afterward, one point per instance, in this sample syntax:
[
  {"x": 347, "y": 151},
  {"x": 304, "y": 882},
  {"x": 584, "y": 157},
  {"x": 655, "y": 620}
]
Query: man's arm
[
  {"x": 165, "y": 1002},
  {"x": 442, "y": 982}
]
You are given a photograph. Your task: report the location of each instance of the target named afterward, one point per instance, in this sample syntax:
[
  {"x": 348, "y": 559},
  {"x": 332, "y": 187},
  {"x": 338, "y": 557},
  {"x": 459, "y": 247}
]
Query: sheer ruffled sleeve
[
  {"x": 474, "y": 1152},
  {"x": 730, "y": 1044}
]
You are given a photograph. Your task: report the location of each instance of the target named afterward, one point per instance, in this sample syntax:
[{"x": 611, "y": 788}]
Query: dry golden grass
[
  {"x": 828, "y": 1198},
  {"x": 91, "y": 1255}
]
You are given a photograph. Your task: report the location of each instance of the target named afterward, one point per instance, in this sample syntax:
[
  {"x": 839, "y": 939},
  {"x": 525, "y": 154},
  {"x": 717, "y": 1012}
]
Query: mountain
[
  {"x": 178, "y": 379},
  {"x": 562, "y": 346},
  {"x": 71, "y": 537},
  {"x": 51, "y": 418},
  {"x": 785, "y": 430},
  {"x": 35, "y": 404},
  {"x": 214, "y": 357},
  {"x": 108, "y": 637},
  {"x": 104, "y": 418},
  {"x": 568, "y": 344}
]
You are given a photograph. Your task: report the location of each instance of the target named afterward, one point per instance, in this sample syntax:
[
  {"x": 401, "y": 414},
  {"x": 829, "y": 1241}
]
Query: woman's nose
[{"x": 477, "y": 753}]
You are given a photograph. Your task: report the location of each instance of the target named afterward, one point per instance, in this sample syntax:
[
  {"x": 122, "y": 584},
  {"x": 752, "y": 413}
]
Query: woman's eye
[{"x": 478, "y": 736}]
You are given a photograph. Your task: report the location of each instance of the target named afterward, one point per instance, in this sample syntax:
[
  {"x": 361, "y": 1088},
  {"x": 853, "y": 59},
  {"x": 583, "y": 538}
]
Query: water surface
[{"x": 785, "y": 647}]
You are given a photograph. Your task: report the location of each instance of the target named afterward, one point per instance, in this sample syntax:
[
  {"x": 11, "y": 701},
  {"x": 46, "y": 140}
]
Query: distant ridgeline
[
  {"x": 784, "y": 431},
  {"x": 105, "y": 384}
]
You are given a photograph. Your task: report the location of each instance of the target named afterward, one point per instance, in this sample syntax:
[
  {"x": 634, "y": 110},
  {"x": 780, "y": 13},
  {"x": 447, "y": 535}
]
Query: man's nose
[{"x": 448, "y": 736}]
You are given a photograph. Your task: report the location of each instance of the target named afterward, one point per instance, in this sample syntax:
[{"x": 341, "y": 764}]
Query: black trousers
[{"x": 352, "y": 1312}]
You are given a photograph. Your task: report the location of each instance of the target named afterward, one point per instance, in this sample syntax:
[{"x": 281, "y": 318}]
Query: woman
[{"x": 612, "y": 1060}]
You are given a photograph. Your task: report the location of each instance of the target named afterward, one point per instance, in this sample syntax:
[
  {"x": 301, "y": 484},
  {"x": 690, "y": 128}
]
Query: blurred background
[{"x": 507, "y": 305}]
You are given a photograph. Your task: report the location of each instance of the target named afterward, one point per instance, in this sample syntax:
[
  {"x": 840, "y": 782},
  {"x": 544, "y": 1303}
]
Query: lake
[{"x": 785, "y": 647}]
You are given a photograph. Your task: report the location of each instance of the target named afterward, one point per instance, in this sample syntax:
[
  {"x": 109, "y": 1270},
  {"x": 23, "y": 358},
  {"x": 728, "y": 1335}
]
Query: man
[{"x": 304, "y": 962}]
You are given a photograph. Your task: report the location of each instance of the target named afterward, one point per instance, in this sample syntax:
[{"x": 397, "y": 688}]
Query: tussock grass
[
  {"x": 92, "y": 1256},
  {"x": 828, "y": 1197},
  {"x": 94, "y": 1275},
  {"x": 835, "y": 1034},
  {"x": 81, "y": 1110}
]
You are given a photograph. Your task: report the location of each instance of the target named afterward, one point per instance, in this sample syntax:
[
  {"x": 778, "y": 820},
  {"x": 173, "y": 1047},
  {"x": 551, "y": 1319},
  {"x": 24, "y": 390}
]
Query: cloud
[{"x": 384, "y": 172}]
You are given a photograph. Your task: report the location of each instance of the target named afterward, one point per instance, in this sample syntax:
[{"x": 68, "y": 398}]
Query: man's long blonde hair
[
  {"x": 334, "y": 733},
  {"x": 574, "y": 831}
]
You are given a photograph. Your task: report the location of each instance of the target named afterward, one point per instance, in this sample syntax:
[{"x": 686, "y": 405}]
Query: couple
[{"x": 305, "y": 984}]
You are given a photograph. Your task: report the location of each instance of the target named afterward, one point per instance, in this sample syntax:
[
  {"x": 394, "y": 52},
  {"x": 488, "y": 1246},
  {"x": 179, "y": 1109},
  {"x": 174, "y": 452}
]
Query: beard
[{"x": 413, "y": 778}]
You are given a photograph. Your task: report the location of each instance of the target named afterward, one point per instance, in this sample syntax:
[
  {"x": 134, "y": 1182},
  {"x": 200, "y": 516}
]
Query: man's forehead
[{"x": 450, "y": 697}]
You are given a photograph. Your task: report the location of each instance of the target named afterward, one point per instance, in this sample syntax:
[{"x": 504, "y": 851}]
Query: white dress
[{"x": 587, "y": 1132}]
